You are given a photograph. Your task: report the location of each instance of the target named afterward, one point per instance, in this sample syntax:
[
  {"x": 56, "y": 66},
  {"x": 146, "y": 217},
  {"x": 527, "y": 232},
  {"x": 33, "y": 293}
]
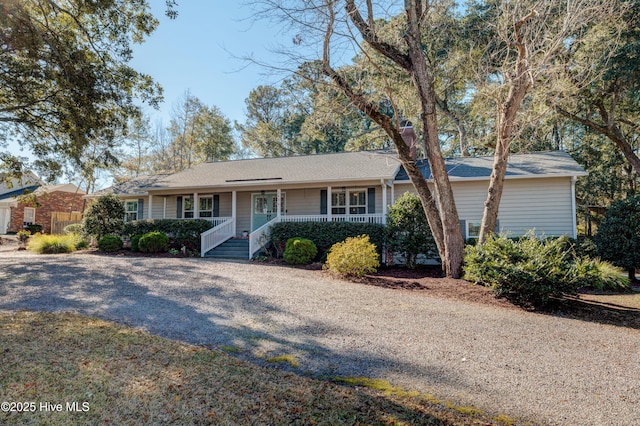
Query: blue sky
[{"x": 196, "y": 52}]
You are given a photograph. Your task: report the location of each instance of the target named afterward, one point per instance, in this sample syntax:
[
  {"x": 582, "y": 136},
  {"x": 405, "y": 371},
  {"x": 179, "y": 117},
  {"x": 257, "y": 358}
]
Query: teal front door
[{"x": 265, "y": 208}]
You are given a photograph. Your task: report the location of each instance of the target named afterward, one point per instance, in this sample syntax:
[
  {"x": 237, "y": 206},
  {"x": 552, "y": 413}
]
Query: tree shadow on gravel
[
  {"x": 429, "y": 281},
  {"x": 160, "y": 302}
]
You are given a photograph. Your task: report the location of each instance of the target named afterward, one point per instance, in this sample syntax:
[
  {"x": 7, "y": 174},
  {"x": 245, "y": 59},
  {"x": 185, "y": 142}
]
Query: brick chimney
[{"x": 409, "y": 136}]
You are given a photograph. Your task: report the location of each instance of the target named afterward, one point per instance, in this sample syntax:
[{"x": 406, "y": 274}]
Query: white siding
[{"x": 543, "y": 204}]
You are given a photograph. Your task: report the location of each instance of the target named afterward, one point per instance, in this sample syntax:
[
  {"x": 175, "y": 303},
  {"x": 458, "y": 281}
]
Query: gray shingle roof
[
  {"x": 538, "y": 164},
  {"x": 339, "y": 167},
  {"x": 134, "y": 186}
]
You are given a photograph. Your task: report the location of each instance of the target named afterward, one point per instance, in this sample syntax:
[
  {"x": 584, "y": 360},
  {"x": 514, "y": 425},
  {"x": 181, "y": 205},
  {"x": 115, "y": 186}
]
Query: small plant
[
  {"x": 154, "y": 242},
  {"x": 135, "y": 241},
  {"x": 355, "y": 256},
  {"x": 74, "y": 228},
  {"x": 23, "y": 235},
  {"x": 109, "y": 243},
  {"x": 174, "y": 252},
  {"x": 52, "y": 244},
  {"x": 599, "y": 275},
  {"x": 299, "y": 251}
]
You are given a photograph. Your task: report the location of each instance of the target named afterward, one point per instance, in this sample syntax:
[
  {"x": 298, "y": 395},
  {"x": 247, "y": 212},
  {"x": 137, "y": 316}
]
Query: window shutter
[
  {"x": 140, "y": 208},
  {"x": 179, "y": 208},
  {"x": 497, "y": 230},
  {"x": 371, "y": 200},
  {"x": 216, "y": 206},
  {"x": 463, "y": 228},
  {"x": 323, "y": 201}
]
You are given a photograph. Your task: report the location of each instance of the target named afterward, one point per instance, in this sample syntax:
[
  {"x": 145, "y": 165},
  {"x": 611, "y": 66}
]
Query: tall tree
[
  {"x": 64, "y": 73},
  {"x": 526, "y": 39},
  {"x": 601, "y": 82},
  {"x": 198, "y": 133}
]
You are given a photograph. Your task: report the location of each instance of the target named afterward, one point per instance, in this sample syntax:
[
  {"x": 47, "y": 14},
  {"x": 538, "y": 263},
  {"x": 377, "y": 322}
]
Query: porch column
[
  {"x": 196, "y": 206},
  {"x": 279, "y": 195},
  {"x": 233, "y": 204},
  {"x": 384, "y": 201},
  {"x": 329, "y": 219},
  {"x": 150, "y": 207}
]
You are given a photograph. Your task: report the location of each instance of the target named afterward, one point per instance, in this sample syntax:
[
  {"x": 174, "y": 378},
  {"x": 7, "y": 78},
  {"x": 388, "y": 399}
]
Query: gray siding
[{"x": 542, "y": 204}]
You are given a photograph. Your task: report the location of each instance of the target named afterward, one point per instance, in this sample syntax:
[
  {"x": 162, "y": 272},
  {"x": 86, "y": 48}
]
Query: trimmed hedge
[
  {"x": 109, "y": 243},
  {"x": 299, "y": 251},
  {"x": 182, "y": 232},
  {"x": 154, "y": 242},
  {"x": 325, "y": 234}
]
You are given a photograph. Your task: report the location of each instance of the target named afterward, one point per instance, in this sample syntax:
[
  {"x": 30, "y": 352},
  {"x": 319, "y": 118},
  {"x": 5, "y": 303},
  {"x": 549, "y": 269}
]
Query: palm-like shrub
[{"x": 53, "y": 244}]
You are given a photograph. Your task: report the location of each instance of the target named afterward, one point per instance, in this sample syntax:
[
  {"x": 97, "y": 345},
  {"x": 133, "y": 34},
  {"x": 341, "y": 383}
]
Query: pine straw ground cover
[{"x": 118, "y": 375}]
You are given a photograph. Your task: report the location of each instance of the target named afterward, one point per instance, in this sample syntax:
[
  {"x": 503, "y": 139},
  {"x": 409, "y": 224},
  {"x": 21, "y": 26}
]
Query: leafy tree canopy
[{"x": 65, "y": 78}]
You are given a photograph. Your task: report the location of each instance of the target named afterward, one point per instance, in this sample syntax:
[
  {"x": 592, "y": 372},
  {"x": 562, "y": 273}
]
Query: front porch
[{"x": 223, "y": 232}]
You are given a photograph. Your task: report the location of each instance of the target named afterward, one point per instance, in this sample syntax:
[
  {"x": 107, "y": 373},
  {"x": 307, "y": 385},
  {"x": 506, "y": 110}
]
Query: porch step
[{"x": 235, "y": 248}]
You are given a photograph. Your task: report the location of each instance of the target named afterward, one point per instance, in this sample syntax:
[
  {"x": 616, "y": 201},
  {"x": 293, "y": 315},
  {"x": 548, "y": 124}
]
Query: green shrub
[
  {"x": 529, "y": 271},
  {"x": 299, "y": 251},
  {"x": 324, "y": 234},
  {"x": 182, "y": 232},
  {"x": 355, "y": 256},
  {"x": 74, "y": 228},
  {"x": 109, "y": 243},
  {"x": 23, "y": 235},
  {"x": 154, "y": 242},
  {"x": 408, "y": 232},
  {"x": 34, "y": 228},
  {"x": 105, "y": 215},
  {"x": 52, "y": 244},
  {"x": 599, "y": 275},
  {"x": 618, "y": 237},
  {"x": 135, "y": 241}
]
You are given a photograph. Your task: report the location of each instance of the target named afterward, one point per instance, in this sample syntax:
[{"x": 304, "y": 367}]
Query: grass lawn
[{"x": 117, "y": 375}]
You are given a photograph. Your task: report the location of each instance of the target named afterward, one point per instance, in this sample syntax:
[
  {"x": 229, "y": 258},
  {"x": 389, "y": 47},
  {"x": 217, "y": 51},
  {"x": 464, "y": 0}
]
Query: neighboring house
[
  {"x": 250, "y": 195},
  {"x": 11, "y": 188},
  {"x": 50, "y": 198}
]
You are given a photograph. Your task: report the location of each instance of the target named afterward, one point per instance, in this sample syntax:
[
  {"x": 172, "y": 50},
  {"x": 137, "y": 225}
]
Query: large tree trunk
[
  {"x": 520, "y": 85},
  {"x": 442, "y": 216},
  {"x": 453, "y": 241}
]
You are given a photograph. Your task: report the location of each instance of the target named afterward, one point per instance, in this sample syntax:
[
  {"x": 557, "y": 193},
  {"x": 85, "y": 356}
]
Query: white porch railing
[
  {"x": 225, "y": 229},
  {"x": 259, "y": 237},
  {"x": 363, "y": 218}
]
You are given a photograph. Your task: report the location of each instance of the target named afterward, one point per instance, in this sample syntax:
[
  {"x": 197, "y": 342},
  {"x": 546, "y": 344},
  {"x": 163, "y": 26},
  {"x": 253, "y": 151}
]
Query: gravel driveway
[{"x": 546, "y": 369}]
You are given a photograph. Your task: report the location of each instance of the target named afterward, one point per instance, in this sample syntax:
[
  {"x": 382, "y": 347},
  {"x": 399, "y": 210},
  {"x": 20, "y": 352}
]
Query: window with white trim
[
  {"x": 29, "y": 215},
  {"x": 187, "y": 207},
  {"x": 130, "y": 211},
  {"x": 473, "y": 229},
  {"x": 205, "y": 207},
  {"x": 352, "y": 201},
  {"x": 358, "y": 202}
]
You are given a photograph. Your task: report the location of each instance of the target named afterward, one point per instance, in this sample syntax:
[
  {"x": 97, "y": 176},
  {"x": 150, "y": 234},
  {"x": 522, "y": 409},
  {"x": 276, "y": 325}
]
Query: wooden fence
[{"x": 61, "y": 219}]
